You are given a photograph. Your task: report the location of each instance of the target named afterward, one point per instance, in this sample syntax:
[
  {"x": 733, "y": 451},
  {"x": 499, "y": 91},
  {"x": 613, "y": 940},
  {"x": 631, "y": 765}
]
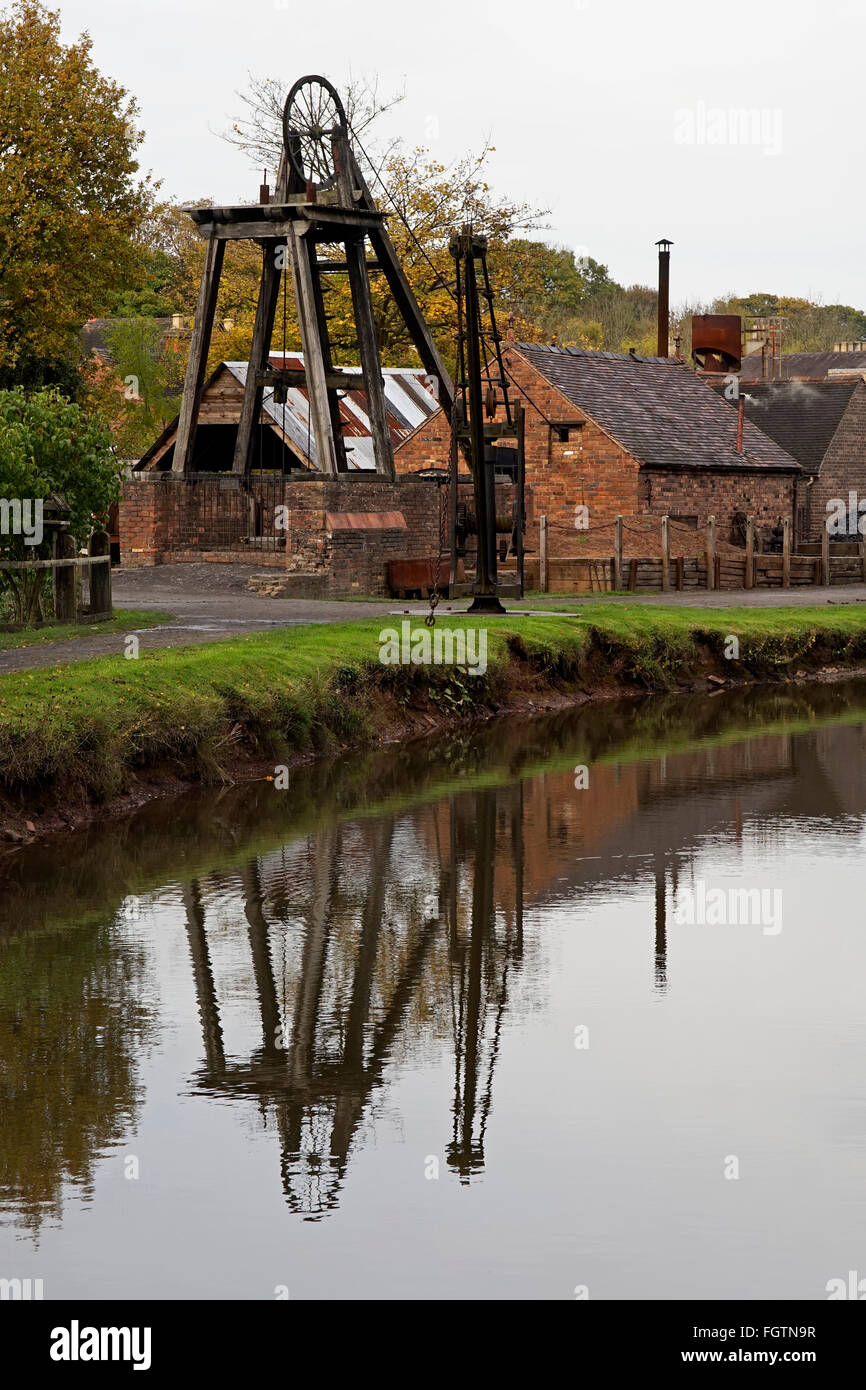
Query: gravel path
[{"x": 211, "y": 602}]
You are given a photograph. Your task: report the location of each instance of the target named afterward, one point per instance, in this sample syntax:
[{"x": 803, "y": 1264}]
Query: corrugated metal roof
[{"x": 408, "y": 400}]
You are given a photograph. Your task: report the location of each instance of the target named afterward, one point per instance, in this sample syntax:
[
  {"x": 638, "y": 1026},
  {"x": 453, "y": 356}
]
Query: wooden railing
[
  {"x": 750, "y": 569},
  {"x": 67, "y": 567}
]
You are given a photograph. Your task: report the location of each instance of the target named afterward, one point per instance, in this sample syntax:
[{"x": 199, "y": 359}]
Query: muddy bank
[{"x": 361, "y": 708}]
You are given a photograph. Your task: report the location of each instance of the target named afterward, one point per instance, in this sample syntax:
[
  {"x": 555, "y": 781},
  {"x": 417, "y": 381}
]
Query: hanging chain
[
  {"x": 430, "y": 619},
  {"x": 444, "y": 514}
]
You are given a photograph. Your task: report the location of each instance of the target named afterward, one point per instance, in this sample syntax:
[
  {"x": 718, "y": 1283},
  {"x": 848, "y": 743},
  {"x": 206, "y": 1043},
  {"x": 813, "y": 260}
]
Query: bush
[{"x": 48, "y": 447}]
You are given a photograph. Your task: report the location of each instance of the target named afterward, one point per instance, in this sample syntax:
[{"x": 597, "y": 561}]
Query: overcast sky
[{"x": 738, "y": 132}]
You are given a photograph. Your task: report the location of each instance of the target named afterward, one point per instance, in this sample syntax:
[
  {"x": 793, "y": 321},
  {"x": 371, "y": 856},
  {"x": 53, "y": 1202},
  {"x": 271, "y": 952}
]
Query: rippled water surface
[{"x": 453, "y": 1021}]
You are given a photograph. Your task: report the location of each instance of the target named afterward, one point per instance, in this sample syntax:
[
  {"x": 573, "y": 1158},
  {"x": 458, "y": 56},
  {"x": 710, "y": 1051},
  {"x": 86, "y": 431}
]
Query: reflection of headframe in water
[{"x": 319, "y": 1095}]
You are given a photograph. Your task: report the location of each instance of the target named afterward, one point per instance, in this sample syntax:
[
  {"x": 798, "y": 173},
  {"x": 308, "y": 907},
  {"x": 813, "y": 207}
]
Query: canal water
[{"x": 569, "y": 1007}]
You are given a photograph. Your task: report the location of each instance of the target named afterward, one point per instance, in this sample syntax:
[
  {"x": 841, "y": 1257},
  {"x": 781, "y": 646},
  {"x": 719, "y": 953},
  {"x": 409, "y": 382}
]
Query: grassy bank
[
  {"x": 87, "y": 729},
  {"x": 130, "y": 620},
  {"x": 85, "y": 876}
]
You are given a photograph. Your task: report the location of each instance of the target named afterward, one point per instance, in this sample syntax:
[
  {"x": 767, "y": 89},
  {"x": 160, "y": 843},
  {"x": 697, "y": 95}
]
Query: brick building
[
  {"x": 822, "y": 424},
  {"x": 621, "y": 435},
  {"x": 339, "y": 534},
  {"x": 612, "y": 433},
  {"x": 326, "y": 536}
]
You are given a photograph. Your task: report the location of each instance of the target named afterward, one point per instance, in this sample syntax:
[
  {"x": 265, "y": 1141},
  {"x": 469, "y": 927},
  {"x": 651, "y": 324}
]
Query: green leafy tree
[
  {"x": 150, "y": 293},
  {"x": 538, "y": 285},
  {"x": 49, "y": 448}
]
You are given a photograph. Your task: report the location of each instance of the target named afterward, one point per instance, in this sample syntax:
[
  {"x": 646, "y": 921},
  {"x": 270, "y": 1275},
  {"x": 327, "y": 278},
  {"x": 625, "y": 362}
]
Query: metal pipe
[{"x": 741, "y": 408}]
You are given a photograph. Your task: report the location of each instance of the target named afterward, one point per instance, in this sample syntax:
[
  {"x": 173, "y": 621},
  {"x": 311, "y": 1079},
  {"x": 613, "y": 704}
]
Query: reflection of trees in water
[
  {"x": 392, "y": 942},
  {"x": 71, "y": 1025}
]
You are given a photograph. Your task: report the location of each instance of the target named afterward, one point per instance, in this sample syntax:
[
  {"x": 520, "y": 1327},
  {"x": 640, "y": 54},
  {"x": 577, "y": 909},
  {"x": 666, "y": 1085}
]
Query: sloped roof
[
  {"x": 801, "y": 416},
  {"x": 409, "y": 403},
  {"x": 657, "y": 408},
  {"x": 408, "y": 400},
  {"x": 806, "y": 364}
]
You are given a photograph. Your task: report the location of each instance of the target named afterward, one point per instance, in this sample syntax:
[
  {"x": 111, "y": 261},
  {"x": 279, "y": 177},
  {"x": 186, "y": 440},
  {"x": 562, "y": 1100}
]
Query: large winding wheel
[{"x": 313, "y": 113}]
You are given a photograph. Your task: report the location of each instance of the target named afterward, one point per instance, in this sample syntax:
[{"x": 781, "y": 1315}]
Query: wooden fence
[
  {"x": 72, "y": 574},
  {"x": 727, "y": 570}
]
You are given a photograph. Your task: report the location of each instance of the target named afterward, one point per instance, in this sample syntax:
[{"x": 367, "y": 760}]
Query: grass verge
[
  {"x": 126, "y": 620},
  {"x": 88, "y": 728}
]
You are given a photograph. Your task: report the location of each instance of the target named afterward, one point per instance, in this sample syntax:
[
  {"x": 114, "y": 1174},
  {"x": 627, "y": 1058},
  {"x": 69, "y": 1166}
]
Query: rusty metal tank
[{"x": 717, "y": 342}]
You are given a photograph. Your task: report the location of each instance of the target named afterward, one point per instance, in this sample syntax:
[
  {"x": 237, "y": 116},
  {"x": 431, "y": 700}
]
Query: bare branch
[{"x": 258, "y": 128}]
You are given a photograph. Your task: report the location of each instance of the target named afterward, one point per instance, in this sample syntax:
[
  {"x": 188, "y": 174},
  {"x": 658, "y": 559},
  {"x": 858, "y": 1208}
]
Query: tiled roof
[
  {"x": 801, "y": 416},
  {"x": 657, "y": 408},
  {"x": 807, "y": 364}
]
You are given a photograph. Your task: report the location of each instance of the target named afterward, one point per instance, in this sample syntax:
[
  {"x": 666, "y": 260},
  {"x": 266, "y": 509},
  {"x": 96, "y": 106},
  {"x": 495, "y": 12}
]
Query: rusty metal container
[
  {"x": 414, "y": 578},
  {"x": 717, "y": 342}
]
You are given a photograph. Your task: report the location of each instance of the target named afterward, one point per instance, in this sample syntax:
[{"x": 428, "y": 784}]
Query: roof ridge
[
  {"x": 849, "y": 380},
  {"x": 599, "y": 353}
]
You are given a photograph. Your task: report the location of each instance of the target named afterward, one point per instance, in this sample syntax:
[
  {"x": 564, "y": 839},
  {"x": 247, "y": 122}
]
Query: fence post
[
  {"x": 786, "y": 553},
  {"x": 749, "y": 578},
  {"x": 825, "y": 555},
  {"x": 542, "y": 554},
  {"x": 100, "y": 575},
  {"x": 711, "y": 552},
  {"x": 64, "y": 579},
  {"x": 617, "y": 553},
  {"x": 666, "y": 554},
  {"x": 863, "y": 561}
]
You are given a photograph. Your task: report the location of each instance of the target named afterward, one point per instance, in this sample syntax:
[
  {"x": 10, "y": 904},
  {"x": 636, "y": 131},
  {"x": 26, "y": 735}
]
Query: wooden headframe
[{"x": 289, "y": 229}]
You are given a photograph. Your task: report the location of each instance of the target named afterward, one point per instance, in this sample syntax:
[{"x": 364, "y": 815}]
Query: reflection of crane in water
[
  {"x": 317, "y": 1093},
  {"x": 474, "y": 985}
]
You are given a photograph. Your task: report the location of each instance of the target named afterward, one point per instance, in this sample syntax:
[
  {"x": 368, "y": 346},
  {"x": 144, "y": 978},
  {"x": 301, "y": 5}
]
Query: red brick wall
[
  {"x": 766, "y": 497},
  {"x": 428, "y": 447},
  {"x": 142, "y": 520},
  {"x": 355, "y": 561},
  {"x": 165, "y": 519}
]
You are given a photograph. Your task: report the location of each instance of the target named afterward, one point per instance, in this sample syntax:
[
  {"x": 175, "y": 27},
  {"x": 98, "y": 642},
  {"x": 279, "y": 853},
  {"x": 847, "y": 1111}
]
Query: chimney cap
[{"x": 664, "y": 243}]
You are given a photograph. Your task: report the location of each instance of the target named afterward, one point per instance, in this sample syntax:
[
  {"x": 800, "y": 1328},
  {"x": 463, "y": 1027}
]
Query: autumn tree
[{"x": 72, "y": 205}]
